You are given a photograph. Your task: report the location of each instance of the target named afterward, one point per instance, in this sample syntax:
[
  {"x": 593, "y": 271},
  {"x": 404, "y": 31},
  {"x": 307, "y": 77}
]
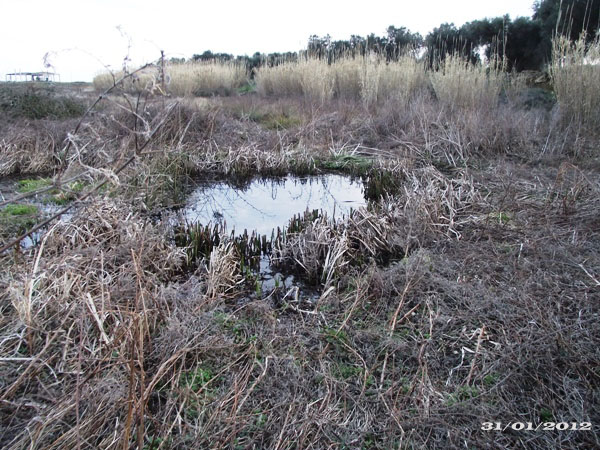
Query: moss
[
  {"x": 18, "y": 210},
  {"x": 357, "y": 165},
  {"x": 30, "y": 185},
  {"x": 15, "y": 219}
]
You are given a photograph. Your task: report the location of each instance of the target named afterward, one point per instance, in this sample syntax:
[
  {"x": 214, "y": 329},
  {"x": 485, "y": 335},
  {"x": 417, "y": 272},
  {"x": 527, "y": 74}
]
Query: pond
[
  {"x": 265, "y": 204},
  {"x": 262, "y": 206}
]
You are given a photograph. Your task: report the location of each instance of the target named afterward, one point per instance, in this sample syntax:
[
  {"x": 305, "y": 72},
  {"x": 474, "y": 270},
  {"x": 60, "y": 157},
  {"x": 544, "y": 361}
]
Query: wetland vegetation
[{"x": 460, "y": 287}]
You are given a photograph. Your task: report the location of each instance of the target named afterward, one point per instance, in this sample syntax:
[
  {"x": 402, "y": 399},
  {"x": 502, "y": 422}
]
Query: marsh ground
[{"x": 466, "y": 292}]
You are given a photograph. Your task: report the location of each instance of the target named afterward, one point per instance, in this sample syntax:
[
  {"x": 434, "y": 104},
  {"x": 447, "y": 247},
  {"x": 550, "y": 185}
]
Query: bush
[{"x": 37, "y": 104}]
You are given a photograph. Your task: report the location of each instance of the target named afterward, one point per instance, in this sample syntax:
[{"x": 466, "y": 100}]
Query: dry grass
[
  {"x": 370, "y": 79},
  {"x": 460, "y": 84},
  {"x": 468, "y": 294},
  {"x": 182, "y": 80},
  {"x": 205, "y": 78},
  {"x": 143, "y": 81},
  {"x": 575, "y": 72}
]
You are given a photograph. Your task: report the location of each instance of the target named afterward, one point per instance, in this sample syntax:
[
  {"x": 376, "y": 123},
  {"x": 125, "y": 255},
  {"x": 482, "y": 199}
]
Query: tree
[
  {"x": 568, "y": 17},
  {"x": 400, "y": 41},
  {"x": 449, "y": 40}
]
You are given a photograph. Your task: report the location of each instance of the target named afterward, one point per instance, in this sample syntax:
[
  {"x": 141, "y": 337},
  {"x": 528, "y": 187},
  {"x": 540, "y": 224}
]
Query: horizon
[{"x": 77, "y": 50}]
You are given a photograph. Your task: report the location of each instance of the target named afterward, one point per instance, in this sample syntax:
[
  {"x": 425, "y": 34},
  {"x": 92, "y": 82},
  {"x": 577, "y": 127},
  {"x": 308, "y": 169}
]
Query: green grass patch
[
  {"x": 462, "y": 394},
  {"x": 248, "y": 88},
  {"x": 379, "y": 183},
  {"x": 30, "y": 185},
  {"x": 273, "y": 121},
  {"x": 12, "y": 210},
  {"x": 358, "y": 165},
  {"x": 281, "y": 122},
  {"x": 15, "y": 219},
  {"x": 500, "y": 217},
  {"x": 546, "y": 415},
  {"x": 346, "y": 371}
]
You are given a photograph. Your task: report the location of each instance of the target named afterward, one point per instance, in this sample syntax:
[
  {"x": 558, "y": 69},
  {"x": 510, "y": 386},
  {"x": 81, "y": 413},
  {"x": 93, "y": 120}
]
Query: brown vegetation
[{"x": 465, "y": 293}]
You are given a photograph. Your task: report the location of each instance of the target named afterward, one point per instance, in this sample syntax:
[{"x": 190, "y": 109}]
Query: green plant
[
  {"x": 491, "y": 379},
  {"x": 196, "y": 379},
  {"x": 546, "y": 415},
  {"x": 18, "y": 210},
  {"x": 356, "y": 165},
  {"x": 379, "y": 183},
  {"x": 30, "y": 185},
  {"x": 15, "y": 219},
  {"x": 334, "y": 336},
  {"x": 462, "y": 394},
  {"x": 247, "y": 88},
  {"x": 501, "y": 217}
]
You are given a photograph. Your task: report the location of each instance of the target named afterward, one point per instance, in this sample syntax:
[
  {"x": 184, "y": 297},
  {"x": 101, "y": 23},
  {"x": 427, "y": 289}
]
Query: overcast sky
[{"x": 84, "y": 35}]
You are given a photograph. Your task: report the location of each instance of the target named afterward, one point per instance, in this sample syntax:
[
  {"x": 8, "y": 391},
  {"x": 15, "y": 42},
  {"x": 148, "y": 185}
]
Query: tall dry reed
[
  {"x": 575, "y": 72},
  {"x": 460, "y": 84},
  {"x": 193, "y": 78},
  {"x": 370, "y": 79}
]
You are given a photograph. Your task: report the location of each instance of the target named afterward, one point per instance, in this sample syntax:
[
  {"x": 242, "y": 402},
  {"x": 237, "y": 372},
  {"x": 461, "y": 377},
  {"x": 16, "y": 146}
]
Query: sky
[{"x": 84, "y": 37}]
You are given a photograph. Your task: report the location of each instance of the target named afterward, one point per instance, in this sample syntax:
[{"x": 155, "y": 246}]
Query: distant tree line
[{"x": 525, "y": 42}]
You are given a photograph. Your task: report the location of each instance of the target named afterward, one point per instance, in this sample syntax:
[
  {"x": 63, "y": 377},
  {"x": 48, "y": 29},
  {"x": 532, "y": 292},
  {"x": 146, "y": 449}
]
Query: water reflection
[{"x": 266, "y": 204}]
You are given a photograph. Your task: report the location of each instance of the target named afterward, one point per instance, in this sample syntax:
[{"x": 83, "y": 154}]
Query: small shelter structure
[{"x": 33, "y": 76}]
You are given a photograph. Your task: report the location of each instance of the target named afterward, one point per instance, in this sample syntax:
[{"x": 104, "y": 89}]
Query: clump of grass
[
  {"x": 205, "y": 78},
  {"x": 12, "y": 210},
  {"x": 141, "y": 81},
  {"x": 458, "y": 83},
  {"x": 379, "y": 183},
  {"x": 280, "y": 122},
  {"x": 371, "y": 79},
  {"x": 398, "y": 80},
  {"x": 575, "y": 73},
  {"x": 17, "y": 218},
  {"x": 223, "y": 277},
  {"x": 60, "y": 197},
  {"x": 30, "y": 185},
  {"x": 349, "y": 163}
]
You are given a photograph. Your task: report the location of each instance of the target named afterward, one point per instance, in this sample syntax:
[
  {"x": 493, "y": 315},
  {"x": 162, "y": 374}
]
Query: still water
[{"x": 265, "y": 204}]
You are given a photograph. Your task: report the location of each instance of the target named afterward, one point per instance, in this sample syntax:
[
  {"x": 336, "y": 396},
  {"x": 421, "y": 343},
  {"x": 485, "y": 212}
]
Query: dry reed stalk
[
  {"x": 371, "y": 79},
  {"x": 460, "y": 84},
  {"x": 223, "y": 276},
  {"x": 575, "y": 73}
]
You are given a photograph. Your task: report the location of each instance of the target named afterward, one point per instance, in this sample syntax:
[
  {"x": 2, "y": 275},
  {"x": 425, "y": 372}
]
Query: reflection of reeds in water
[
  {"x": 311, "y": 243},
  {"x": 201, "y": 240}
]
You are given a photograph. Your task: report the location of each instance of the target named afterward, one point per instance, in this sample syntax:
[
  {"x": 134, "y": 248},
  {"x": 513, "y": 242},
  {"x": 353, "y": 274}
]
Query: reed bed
[
  {"x": 370, "y": 79},
  {"x": 459, "y": 83},
  {"x": 203, "y": 78},
  {"x": 575, "y": 72}
]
